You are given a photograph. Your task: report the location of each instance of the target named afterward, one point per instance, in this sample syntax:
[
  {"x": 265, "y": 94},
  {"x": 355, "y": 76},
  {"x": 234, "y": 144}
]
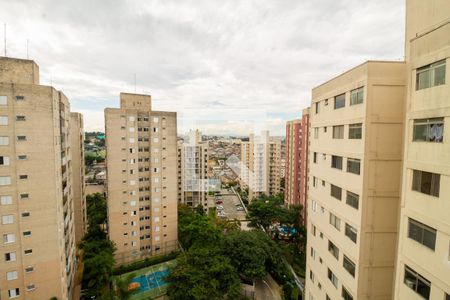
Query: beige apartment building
[
  {"x": 423, "y": 264},
  {"x": 260, "y": 165},
  {"x": 36, "y": 186},
  {"x": 193, "y": 170},
  {"x": 355, "y": 157},
  {"x": 79, "y": 190},
  {"x": 141, "y": 161}
]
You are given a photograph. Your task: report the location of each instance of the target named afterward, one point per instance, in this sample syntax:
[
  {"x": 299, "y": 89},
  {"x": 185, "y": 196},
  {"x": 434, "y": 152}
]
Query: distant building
[
  {"x": 193, "y": 170},
  {"x": 79, "y": 193},
  {"x": 41, "y": 196},
  {"x": 142, "y": 189},
  {"x": 297, "y": 162},
  {"x": 260, "y": 165}
]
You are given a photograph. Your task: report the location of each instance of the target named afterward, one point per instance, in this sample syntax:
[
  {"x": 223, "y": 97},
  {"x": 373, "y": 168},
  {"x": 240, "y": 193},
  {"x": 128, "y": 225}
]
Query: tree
[
  {"x": 203, "y": 274},
  {"x": 97, "y": 250},
  {"x": 247, "y": 252},
  {"x": 122, "y": 284}
]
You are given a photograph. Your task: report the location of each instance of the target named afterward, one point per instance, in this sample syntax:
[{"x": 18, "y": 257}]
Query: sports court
[{"x": 151, "y": 280}]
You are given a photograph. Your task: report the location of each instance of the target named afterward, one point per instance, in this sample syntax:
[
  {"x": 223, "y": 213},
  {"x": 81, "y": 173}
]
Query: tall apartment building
[
  {"x": 423, "y": 264},
  {"x": 355, "y": 161},
  {"x": 36, "y": 186},
  {"x": 260, "y": 165},
  {"x": 141, "y": 161},
  {"x": 79, "y": 192},
  {"x": 297, "y": 161},
  {"x": 193, "y": 170}
]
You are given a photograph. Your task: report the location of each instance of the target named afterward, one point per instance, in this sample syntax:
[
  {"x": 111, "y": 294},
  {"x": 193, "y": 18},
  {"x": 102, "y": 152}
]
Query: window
[
  {"x": 417, "y": 283},
  {"x": 333, "y": 249},
  {"x": 336, "y": 192},
  {"x": 338, "y": 132},
  {"x": 21, "y": 138},
  {"x": 3, "y": 120},
  {"x": 14, "y": 293},
  {"x": 351, "y": 232},
  {"x": 131, "y": 140},
  {"x": 155, "y": 140},
  {"x": 5, "y": 200},
  {"x": 339, "y": 101},
  {"x": 11, "y": 256},
  {"x": 345, "y": 294},
  {"x": 315, "y": 157},
  {"x": 316, "y": 132},
  {"x": 5, "y": 180},
  {"x": 314, "y": 181},
  {"x": 3, "y": 100},
  {"x": 31, "y": 287},
  {"x": 131, "y": 119},
  {"x": 426, "y": 182},
  {"x": 428, "y": 130},
  {"x": 335, "y": 221},
  {"x": 20, "y": 98},
  {"x": 20, "y": 118},
  {"x": 332, "y": 278},
  {"x": 23, "y": 176},
  {"x": 25, "y": 214},
  {"x": 9, "y": 238},
  {"x": 349, "y": 266},
  {"x": 353, "y": 165},
  {"x": 4, "y": 141},
  {"x": 422, "y": 233},
  {"x": 317, "y": 104},
  {"x": 355, "y": 131},
  {"x": 311, "y": 276},
  {"x": 24, "y": 196},
  {"x": 447, "y": 296},
  {"x": 357, "y": 96},
  {"x": 28, "y": 251},
  {"x": 313, "y": 230},
  {"x": 336, "y": 162},
  {"x": 8, "y": 219},
  {"x": 11, "y": 275},
  {"x": 352, "y": 200},
  {"x": 430, "y": 75},
  {"x": 29, "y": 269},
  {"x": 27, "y": 233},
  {"x": 4, "y": 160},
  {"x": 21, "y": 157}
]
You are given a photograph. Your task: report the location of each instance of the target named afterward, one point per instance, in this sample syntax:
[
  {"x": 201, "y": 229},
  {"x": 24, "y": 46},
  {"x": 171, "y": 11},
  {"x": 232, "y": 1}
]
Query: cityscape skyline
[{"x": 222, "y": 58}]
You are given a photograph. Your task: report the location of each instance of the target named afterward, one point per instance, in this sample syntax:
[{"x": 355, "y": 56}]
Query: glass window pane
[
  {"x": 439, "y": 75},
  {"x": 420, "y": 132},
  {"x": 339, "y": 101}
]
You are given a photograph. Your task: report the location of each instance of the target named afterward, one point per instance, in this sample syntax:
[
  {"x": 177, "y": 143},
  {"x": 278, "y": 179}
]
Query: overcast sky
[{"x": 225, "y": 66}]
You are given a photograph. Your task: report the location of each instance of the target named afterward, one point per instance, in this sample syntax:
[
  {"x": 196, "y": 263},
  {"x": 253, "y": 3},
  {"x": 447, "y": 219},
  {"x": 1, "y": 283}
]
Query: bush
[{"x": 149, "y": 261}]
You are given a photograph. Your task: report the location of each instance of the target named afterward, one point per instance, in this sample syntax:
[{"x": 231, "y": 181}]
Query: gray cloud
[{"x": 201, "y": 54}]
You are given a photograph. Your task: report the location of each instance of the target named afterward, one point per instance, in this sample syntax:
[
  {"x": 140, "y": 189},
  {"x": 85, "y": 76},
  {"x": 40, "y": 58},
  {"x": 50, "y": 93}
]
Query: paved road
[{"x": 267, "y": 289}]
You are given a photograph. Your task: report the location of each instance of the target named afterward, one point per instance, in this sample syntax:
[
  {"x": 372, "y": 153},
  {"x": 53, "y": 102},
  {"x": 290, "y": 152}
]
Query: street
[{"x": 229, "y": 204}]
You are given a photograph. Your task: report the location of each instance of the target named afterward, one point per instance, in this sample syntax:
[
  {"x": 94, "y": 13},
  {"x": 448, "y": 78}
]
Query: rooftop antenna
[
  {"x": 28, "y": 57},
  {"x": 135, "y": 83},
  {"x": 4, "y": 35}
]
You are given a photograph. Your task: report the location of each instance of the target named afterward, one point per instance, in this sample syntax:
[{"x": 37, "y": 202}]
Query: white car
[{"x": 219, "y": 207}]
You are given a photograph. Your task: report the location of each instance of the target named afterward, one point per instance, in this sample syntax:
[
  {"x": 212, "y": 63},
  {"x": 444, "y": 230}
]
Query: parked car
[
  {"x": 219, "y": 207},
  {"x": 239, "y": 208},
  {"x": 219, "y": 202}
]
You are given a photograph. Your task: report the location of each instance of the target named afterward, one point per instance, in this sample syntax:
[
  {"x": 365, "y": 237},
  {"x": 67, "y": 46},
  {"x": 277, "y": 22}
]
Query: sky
[{"x": 227, "y": 67}]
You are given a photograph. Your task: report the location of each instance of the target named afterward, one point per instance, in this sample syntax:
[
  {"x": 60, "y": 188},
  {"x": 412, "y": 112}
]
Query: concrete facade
[
  {"x": 423, "y": 263},
  {"x": 260, "y": 165},
  {"x": 79, "y": 190},
  {"x": 36, "y": 186},
  {"x": 193, "y": 170},
  {"x": 355, "y": 158},
  {"x": 296, "y": 181},
  {"x": 141, "y": 160}
]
